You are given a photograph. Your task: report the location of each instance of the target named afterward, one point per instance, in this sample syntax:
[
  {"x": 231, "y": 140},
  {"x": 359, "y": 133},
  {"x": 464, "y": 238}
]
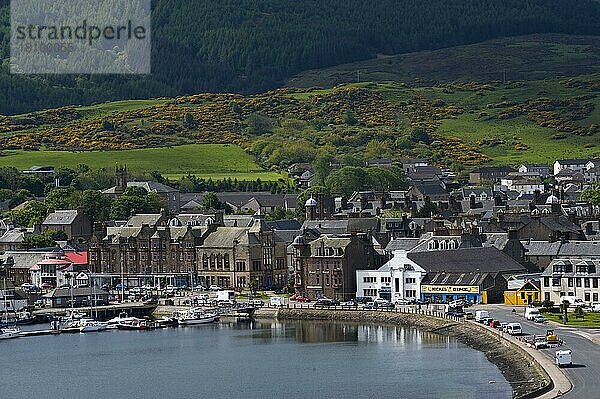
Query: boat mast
[{"x": 4, "y": 298}]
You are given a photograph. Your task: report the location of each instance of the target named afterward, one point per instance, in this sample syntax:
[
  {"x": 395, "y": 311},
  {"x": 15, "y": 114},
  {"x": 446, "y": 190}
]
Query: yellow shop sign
[{"x": 450, "y": 289}]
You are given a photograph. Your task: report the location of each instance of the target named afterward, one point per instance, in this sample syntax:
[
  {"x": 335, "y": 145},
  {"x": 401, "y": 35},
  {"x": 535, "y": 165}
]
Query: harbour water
[{"x": 249, "y": 360}]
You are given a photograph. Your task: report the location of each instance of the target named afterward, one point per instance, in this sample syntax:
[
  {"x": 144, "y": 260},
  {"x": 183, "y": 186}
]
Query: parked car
[
  {"x": 301, "y": 298},
  {"x": 151, "y": 301},
  {"x": 46, "y": 286},
  {"x": 27, "y": 286},
  {"x": 349, "y": 304},
  {"x": 363, "y": 299},
  {"x": 495, "y": 323},
  {"x": 324, "y": 303},
  {"x": 257, "y": 302},
  {"x": 370, "y": 306},
  {"x": 514, "y": 329},
  {"x": 540, "y": 319},
  {"x": 403, "y": 302},
  {"x": 120, "y": 286},
  {"x": 503, "y": 326},
  {"x": 469, "y": 316},
  {"x": 215, "y": 287}
]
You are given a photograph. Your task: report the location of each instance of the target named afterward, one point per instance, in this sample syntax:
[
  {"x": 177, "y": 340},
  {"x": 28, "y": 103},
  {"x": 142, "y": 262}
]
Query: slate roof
[
  {"x": 343, "y": 225},
  {"x": 292, "y": 224},
  {"x": 224, "y": 237},
  {"x": 65, "y": 217},
  {"x": 402, "y": 244},
  {"x": 150, "y": 186},
  {"x": 560, "y": 223},
  {"x": 573, "y": 161},
  {"x": 14, "y": 236},
  {"x": 431, "y": 189},
  {"x": 22, "y": 259},
  {"x": 151, "y": 219},
  {"x": 481, "y": 260},
  {"x": 541, "y": 248},
  {"x": 79, "y": 291},
  {"x": 443, "y": 278},
  {"x": 580, "y": 248}
]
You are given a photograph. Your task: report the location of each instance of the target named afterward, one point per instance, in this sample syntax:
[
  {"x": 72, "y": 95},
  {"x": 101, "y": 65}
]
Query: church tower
[{"x": 121, "y": 177}]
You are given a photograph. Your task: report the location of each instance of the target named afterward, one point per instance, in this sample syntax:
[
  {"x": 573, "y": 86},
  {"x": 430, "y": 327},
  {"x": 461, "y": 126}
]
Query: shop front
[{"x": 448, "y": 293}]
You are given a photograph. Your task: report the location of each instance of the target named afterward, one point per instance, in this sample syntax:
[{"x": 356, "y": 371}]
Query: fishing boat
[
  {"x": 194, "y": 317},
  {"x": 122, "y": 318},
  {"x": 166, "y": 322},
  {"x": 136, "y": 324}
]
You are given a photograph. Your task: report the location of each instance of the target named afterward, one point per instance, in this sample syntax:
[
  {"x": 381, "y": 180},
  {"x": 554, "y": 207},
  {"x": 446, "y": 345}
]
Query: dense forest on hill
[{"x": 250, "y": 46}]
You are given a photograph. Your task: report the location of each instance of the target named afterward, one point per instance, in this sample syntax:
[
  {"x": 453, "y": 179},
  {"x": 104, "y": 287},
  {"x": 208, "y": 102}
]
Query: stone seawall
[{"x": 527, "y": 378}]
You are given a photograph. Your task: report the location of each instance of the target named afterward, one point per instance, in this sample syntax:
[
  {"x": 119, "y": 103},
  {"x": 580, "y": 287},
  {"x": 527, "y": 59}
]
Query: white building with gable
[{"x": 398, "y": 279}]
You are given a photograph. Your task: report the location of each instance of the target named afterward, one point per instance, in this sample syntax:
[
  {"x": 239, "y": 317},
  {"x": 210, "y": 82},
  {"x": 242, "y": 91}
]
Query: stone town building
[
  {"x": 234, "y": 257},
  {"x": 73, "y": 223},
  {"x": 152, "y": 250},
  {"x": 156, "y": 255},
  {"x": 171, "y": 195},
  {"x": 327, "y": 265}
]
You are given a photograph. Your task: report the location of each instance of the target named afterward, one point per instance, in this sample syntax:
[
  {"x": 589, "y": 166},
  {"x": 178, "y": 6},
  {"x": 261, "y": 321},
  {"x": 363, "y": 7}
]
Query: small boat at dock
[
  {"x": 194, "y": 317},
  {"x": 91, "y": 325},
  {"x": 9, "y": 333}
]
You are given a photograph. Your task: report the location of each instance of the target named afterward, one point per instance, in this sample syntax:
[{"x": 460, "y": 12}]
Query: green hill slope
[{"x": 455, "y": 124}]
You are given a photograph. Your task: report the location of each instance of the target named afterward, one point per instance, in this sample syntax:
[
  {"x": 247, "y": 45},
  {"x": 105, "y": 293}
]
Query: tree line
[{"x": 250, "y": 46}]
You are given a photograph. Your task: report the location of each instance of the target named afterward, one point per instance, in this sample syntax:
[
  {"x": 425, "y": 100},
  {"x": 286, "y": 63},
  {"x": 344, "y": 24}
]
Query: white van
[
  {"x": 563, "y": 358},
  {"x": 531, "y": 313},
  {"x": 480, "y": 315},
  {"x": 276, "y": 301},
  {"x": 573, "y": 301},
  {"x": 514, "y": 328}
]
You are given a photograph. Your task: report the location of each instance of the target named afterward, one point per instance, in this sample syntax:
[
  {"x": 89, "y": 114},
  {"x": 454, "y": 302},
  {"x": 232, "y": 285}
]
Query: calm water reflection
[{"x": 258, "y": 360}]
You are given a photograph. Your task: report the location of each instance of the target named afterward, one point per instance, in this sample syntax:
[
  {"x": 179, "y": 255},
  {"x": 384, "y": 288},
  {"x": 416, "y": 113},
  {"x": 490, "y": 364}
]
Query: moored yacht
[
  {"x": 91, "y": 325},
  {"x": 8, "y": 333},
  {"x": 194, "y": 317}
]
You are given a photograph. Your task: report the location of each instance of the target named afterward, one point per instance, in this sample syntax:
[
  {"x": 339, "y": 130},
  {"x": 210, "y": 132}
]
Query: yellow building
[{"x": 528, "y": 293}]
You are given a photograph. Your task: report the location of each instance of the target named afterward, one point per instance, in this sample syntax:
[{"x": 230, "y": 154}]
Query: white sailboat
[
  {"x": 7, "y": 333},
  {"x": 92, "y": 324}
]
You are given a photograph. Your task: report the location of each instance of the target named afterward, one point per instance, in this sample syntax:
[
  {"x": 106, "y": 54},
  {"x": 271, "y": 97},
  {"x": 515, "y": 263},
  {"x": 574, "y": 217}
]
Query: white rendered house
[{"x": 400, "y": 278}]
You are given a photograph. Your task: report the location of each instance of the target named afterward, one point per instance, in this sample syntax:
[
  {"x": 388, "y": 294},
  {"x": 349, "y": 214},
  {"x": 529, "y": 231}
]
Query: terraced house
[
  {"x": 150, "y": 249},
  {"x": 145, "y": 254}
]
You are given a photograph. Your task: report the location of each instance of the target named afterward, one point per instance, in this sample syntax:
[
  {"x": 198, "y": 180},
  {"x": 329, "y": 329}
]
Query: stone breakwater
[{"x": 526, "y": 377}]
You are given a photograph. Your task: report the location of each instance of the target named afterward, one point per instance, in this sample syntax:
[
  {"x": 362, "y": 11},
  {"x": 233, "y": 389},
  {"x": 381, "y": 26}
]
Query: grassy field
[
  {"x": 591, "y": 319},
  {"x": 542, "y": 149},
  {"x": 217, "y": 161}
]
